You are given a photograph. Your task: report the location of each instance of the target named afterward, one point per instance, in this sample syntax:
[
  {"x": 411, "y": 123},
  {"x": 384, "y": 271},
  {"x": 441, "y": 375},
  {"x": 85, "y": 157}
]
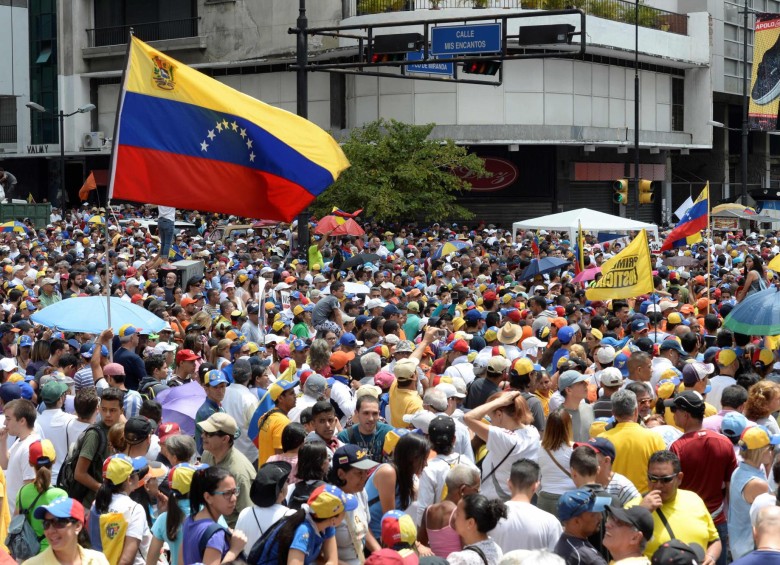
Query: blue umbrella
[
  {"x": 542, "y": 266},
  {"x": 758, "y": 314},
  {"x": 89, "y": 314}
]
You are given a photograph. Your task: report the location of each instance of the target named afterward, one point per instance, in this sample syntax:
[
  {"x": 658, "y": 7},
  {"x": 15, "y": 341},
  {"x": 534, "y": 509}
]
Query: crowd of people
[{"x": 382, "y": 398}]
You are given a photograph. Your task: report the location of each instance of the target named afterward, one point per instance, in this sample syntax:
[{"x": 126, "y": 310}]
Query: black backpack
[
  {"x": 259, "y": 546},
  {"x": 301, "y": 493},
  {"x": 66, "y": 479}
]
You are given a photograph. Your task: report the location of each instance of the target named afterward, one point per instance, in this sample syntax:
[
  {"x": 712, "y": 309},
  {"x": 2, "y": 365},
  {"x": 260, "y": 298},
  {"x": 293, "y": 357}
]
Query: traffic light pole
[{"x": 636, "y": 111}]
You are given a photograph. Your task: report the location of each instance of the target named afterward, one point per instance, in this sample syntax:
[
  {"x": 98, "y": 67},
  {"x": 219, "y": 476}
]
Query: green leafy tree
[{"x": 398, "y": 173}]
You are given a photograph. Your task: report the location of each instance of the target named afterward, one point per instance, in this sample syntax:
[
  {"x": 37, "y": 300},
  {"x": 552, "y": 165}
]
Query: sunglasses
[
  {"x": 665, "y": 480},
  {"x": 58, "y": 523}
]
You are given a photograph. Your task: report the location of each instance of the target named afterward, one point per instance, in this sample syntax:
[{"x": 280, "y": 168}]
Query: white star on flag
[{"x": 204, "y": 146}]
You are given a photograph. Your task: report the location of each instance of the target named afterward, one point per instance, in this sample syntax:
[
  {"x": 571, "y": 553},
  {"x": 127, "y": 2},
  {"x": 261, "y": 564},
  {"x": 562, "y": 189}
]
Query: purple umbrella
[{"x": 181, "y": 403}]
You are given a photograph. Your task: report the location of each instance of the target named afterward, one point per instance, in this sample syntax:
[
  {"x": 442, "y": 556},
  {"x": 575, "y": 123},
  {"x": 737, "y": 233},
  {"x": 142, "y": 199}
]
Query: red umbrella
[
  {"x": 350, "y": 227},
  {"x": 328, "y": 224},
  {"x": 587, "y": 275}
]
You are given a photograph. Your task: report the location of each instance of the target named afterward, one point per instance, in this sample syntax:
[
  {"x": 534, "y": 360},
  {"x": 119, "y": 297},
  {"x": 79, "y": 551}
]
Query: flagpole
[{"x": 709, "y": 255}]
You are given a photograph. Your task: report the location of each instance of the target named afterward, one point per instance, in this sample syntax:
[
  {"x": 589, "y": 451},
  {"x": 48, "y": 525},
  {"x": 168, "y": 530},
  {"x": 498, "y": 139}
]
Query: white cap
[
  {"x": 450, "y": 390},
  {"x": 606, "y": 354},
  {"x": 420, "y": 419}
]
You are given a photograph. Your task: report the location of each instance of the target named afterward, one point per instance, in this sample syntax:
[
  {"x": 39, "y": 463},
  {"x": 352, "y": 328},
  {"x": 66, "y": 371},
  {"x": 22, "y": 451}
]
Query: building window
[
  {"x": 678, "y": 104},
  {"x": 43, "y": 69},
  {"x": 151, "y": 20},
  {"x": 7, "y": 119}
]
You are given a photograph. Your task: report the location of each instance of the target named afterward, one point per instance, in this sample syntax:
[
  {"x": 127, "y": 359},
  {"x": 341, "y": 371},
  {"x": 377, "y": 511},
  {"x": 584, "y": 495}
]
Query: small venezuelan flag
[
  {"x": 688, "y": 229},
  {"x": 186, "y": 140}
]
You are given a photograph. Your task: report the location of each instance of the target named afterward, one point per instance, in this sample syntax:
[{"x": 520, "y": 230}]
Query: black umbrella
[{"x": 361, "y": 259}]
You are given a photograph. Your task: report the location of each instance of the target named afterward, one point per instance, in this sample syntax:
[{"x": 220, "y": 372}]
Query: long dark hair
[
  {"x": 175, "y": 517},
  {"x": 203, "y": 481},
  {"x": 485, "y": 511},
  {"x": 408, "y": 458},
  {"x": 104, "y": 495},
  {"x": 311, "y": 458},
  {"x": 758, "y": 265}
]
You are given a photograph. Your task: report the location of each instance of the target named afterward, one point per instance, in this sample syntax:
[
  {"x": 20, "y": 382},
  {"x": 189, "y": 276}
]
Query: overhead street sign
[
  {"x": 466, "y": 39},
  {"x": 439, "y": 68}
]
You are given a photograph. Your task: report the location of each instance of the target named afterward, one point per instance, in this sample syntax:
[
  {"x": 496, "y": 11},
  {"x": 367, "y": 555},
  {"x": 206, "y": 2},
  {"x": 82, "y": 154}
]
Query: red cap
[
  {"x": 137, "y": 298},
  {"x": 489, "y": 295},
  {"x": 186, "y": 355},
  {"x": 167, "y": 430},
  {"x": 460, "y": 346},
  {"x": 514, "y": 316}
]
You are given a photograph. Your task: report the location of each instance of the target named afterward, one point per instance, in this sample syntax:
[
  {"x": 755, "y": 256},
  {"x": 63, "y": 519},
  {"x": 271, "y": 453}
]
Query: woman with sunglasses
[
  {"x": 63, "y": 525},
  {"x": 213, "y": 496},
  {"x": 117, "y": 524}
]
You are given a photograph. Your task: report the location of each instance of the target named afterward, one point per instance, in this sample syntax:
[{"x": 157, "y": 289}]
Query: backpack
[
  {"x": 66, "y": 479},
  {"x": 256, "y": 553},
  {"x": 22, "y": 541},
  {"x": 301, "y": 493}
]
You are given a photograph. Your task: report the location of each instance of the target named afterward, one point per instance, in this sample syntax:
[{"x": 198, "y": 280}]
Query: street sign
[
  {"x": 466, "y": 39},
  {"x": 439, "y": 68}
]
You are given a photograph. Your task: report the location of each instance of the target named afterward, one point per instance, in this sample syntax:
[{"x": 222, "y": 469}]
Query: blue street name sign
[
  {"x": 438, "y": 68},
  {"x": 466, "y": 40}
]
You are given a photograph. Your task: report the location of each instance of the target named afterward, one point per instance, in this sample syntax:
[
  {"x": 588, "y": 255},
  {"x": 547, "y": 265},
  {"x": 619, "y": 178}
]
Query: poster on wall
[{"x": 765, "y": 79}]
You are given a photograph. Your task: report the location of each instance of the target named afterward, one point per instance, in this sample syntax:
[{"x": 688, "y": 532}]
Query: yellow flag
[
  {"x": 774, "y": 264},
  {"x": 627, "y": 274}
]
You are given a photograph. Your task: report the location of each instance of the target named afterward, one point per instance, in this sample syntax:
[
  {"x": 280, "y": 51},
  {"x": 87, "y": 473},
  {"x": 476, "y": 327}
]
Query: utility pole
[
  {"x": 302, "y": 108},
  {"x": 636, "y": 111},
  {"x": 745, "y": 132}
]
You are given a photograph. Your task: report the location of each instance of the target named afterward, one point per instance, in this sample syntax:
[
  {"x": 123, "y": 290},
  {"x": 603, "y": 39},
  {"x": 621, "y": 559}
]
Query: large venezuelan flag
[
  {"x": 688, "y": 229},
  {"x": 186, "y": 140}
]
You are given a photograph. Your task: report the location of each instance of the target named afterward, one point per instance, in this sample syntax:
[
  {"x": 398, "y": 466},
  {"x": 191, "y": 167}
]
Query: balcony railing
[
  {"x": 615, "y": 10},
  {"x": 8, "y": 134},
  {"x": 151, "y": 31}
]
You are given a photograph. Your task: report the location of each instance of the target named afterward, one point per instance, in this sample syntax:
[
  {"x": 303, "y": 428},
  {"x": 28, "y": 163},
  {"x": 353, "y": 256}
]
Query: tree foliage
[{"x": 398, "y": 173}]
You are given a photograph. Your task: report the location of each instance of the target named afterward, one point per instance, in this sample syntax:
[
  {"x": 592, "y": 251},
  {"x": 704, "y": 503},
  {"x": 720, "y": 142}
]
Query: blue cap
[
  {"x": 732, "y": 425},
  {"x": 215, "y": 377},
  {"x": 360, "y": 320},
  {"x": 348, "y": 339},
  {"x": 298, "y": 345},
  {"x": 25, "y": 341},
  {"x": 638, "y": 326},
  {"x": 26, "y": 389},
  {"x": 565, "y": 335},
  {"x": 474, "y": 316},
  {"x": 10, "y": 391},
  {"x": 621, "y": 362},
  {"x": 671, "y": 344},
  {"x": 570, "y": 378},
  {"x": 576, "y": 502}
]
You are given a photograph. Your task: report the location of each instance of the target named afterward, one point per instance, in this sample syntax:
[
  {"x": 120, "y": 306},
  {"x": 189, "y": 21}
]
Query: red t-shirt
[{"x": 707, "y": 460}]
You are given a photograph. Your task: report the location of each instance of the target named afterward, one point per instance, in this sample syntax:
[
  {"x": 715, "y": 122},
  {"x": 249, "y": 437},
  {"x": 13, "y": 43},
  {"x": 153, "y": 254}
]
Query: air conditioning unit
[{"x": 93, "y": 141}]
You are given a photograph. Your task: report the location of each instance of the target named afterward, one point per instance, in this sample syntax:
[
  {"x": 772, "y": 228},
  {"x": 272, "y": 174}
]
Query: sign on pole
[
  {"x": 466, "y": 39},
  {"x": 443, "y": 68}
]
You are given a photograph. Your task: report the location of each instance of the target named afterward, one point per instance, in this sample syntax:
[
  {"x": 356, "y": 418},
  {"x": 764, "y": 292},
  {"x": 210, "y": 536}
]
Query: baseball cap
[
  {"x": 328, "y": 501},
  {"x": 52, "y": 391},
  {"x": 690, "y": 401},
  {"x": 570, "y": 378},
  {"x": 498, "y": 364},
  {"x": 404, "y": 346},
  {"x": 441, "y": 426},
  {"x": 220, "y": 422},
  {"x": 405, "y": 369},
  {"x": 726, "y": 357},
  {"x": 638, "y": 326},
  {"x": 757, "y": 437},
  {"x": 62, "y": 507},
  {"x": 349, "y": 340},
  {"x": 113, "y": 369},
  {"x": 696, "y": 371},
  {"x": 137, "y": 429},
  {"x": 621, "y": 363},
  {"x": 761, "y": 358},
  {"x": 383, "y": 379},
  {"x": 339, "y": 359},
  {"x": 351, "y": 455},
  {"x": 41, "y": 452},
  {"x": 671, "y": 344},
  {"x": 215, "y": 377},
  {"x": 168, "y": 429},
  {"x": 459, "y": 345},
  {"x": 474, "y": 316},
  {"x": 600, "y": 445},
  {"x": 315, "y": 385},
  {"x": 420, "y": 420},
  {"x": 733, "y": 424},
  {"x": 280, "y": 386},
  {"x": 565, "y": 335},
  {"x": 180, "y": 477},
  {"x": 523, "y": 366},
  {"x": 449, "y": 390},
  {"x": 611, "y": 376},
  {"x": 119, "y": 467},
  {"x": 398, "y": 528},
  {"x": 186, "y": 355},
  {"x": 606, "y": 354},
  {"x": 576, "y": 502},
  {"x": 676, "y": 552},
  {"x": 271, "y": 478},
  {"x": 127, "y": 330},
  {"x": 387, "y": 556},
  {"x": 9, "y": 392},
  {"x": 637, "y": 516}
]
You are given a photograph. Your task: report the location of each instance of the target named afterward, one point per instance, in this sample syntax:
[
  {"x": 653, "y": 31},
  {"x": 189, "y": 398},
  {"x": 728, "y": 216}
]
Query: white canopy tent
[{"x": 591, "y": 221}]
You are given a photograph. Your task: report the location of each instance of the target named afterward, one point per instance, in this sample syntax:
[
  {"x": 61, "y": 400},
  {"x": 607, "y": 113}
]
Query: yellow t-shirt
[
  {"x": 5, "y": 511},
  {"x": 403, "y": 401},
  {"x": 633, "y": 447},
  {"x": 709, "y": 410},
  {"x": 315, "y": 256},
  {"x": 269, "y": 439},
  {"x": 688, "y": 518}
]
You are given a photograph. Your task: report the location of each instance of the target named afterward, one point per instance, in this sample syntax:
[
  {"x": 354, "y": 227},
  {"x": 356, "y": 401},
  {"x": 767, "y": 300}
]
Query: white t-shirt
[
  {"x": 55, "y": 420},
  {"x": 432, "y": 480},
  {"x": 526, "y": 527},
  {"x": 166, "y": 212},
  {"x": 19, "y": 469},
  {"x": 554, "y": 481},
  {"x": 719, "y": 383},
  {"x": 241, "y": 403},
  {"x": 520, "y": 444},
  {"x": 254, "y": 521}
]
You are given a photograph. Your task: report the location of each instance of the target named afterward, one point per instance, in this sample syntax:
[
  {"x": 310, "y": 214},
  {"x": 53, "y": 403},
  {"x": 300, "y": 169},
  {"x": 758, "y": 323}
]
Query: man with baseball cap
[
  {"x": 627, "y": 532},
  {"x": 611, "y": 380},
  {"x": 580, "y": 512},
  {"x": 271, "y": 424},
  {"x": 728, "y": 364},
  {"x": 481, "y": 389},
  {"x": 215, "y": 384},
  {"x": 670, "y": 352},
  {"x": 219, "y": 432},
  {"x": 698, "y": 445},
  {"x": 185, "y": 367},
  {"x": 128, "y": 358}
]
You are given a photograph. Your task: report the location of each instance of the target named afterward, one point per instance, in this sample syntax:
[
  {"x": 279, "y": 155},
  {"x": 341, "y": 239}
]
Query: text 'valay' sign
[{"x": 466, "y": 40}]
